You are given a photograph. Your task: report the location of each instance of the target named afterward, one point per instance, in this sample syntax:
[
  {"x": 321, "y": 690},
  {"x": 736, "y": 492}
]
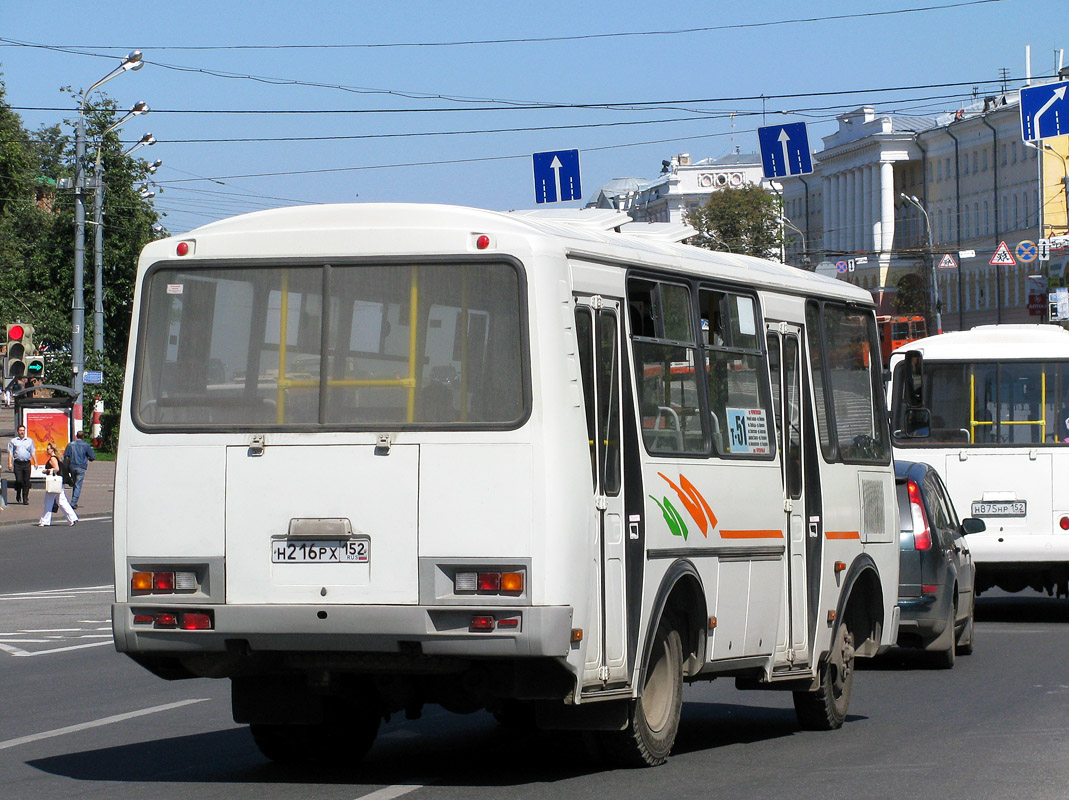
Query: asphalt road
[{"x": 78, "y": 720}]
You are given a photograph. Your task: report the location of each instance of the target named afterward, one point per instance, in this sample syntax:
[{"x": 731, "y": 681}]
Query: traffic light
[
  {"x": 35, "y": 366},
  {"x": 19, "y": 344}
]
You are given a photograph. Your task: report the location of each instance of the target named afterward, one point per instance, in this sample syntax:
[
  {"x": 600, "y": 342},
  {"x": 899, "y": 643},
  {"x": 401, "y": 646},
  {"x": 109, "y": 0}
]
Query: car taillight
[{"x": 922, "y": 534}]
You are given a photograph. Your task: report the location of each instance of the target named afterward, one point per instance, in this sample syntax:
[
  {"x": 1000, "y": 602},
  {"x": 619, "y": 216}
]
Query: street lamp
[
  {"x": 139, "y": 108},
  {"x": 796, "y": 229},
  {"x": 133, "y": 61},
  {"x": 912, "y": 200}
]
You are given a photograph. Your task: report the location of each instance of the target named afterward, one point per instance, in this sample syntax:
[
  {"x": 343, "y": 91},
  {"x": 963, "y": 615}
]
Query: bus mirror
[
  {"x": 913, "y": 384},
  {"x": 918, "y": 423}
]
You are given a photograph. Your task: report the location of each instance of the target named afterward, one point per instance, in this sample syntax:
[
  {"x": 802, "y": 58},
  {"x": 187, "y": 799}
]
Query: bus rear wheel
[
  {"x": 653, "y": 719},
  {"x": 825, "y": 709}
]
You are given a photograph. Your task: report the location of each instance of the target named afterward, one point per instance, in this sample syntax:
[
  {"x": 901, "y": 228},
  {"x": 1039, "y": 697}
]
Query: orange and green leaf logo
[{"x": 692, "y": 501}]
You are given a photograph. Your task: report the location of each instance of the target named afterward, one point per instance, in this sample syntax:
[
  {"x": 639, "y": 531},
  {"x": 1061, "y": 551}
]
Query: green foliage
[
  {"x": 37, "y": 241},
  {"x": 740, "y": 220}
]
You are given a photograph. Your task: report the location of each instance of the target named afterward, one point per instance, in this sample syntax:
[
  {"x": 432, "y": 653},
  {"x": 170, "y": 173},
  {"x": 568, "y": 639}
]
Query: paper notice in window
[{"x": 747, "y": 431}]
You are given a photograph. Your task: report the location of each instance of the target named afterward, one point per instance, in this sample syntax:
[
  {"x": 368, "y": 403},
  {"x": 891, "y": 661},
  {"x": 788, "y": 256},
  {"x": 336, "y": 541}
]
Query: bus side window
[{"x": 665, "y": 356}]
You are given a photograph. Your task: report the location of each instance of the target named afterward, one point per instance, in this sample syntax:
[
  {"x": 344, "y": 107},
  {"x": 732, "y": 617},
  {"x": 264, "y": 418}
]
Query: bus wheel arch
[
  {"x": 674, "y": 647},
  {"x": 861, "y": 605}
]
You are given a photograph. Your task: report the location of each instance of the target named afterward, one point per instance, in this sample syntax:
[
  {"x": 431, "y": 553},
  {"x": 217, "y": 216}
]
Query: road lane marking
[
  {"x": 15, "y": 651},
  {"x": 390, "y": 792},
  {"x": 97, "y": 723}
]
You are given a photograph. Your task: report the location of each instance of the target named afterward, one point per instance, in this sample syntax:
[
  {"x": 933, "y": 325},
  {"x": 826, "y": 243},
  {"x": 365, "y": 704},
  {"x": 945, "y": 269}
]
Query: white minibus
[
  {"x": 550, "y": 464},
  {"x": 998, "y": 400}
]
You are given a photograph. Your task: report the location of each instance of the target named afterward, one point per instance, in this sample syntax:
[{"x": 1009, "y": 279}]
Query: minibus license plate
[
  {"x": 320, "y": 551},
  {"x": 1005, "y": 508}
]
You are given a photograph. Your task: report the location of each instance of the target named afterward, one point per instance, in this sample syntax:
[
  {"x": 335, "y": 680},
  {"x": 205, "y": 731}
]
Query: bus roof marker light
[
  {"x": 1063, "y": 523},
  {"x": 184, "y": 248},
  {"x": 482, "y": 242}
]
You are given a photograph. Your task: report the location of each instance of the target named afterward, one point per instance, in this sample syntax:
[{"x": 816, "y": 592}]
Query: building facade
[
  {"x": 897, "y": 196},
  {"x": 682, "y": 187}
]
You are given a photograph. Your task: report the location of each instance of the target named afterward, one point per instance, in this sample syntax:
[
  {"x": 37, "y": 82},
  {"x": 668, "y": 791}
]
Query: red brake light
[
  {"x": 922, "y": 534},
  {"x": 166, "y": 620},
  {"x": 489, "y": 581},
  {"x": 482, "y": 622},
  {"x": 163, "y": 581},
  {"x": 196, "y": 621}
]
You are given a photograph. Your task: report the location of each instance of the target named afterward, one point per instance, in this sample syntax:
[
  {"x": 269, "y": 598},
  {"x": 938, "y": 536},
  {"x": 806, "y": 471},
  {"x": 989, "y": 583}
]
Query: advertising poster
[{"x": 45, "y": 425}]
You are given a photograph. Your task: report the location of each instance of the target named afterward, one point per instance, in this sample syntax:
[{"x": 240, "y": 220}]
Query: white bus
[
  {"x": 550, "y": 464},
  {"x": 998, "y": 399}
]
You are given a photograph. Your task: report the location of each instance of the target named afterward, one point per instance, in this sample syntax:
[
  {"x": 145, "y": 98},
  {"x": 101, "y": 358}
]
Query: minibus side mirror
[
  {"x": 917, "y": 424},
  {"x": 913, "y": 379},
  {"x": 973, "y": 525}
]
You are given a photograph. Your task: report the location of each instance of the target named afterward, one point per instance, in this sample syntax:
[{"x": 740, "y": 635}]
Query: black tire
[
  {"x": 825, "y": 709},
  {"x": 653, "y": 719},
  {"x": 340, "y": 741},
  {"x": 946, "y": 658},
  {"x": 968, "y": 633}
]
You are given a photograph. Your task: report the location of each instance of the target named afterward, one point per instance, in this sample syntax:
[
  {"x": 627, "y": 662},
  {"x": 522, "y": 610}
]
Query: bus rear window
[
  {"x": 988, "y": 403},
  {"x": 428, "y": 345}
]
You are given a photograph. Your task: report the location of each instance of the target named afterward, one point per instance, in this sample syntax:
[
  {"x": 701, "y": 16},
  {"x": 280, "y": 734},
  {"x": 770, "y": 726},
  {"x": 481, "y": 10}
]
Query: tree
[
  {"x": 740, "y": 220},
  {"x": 37, "y": 241}
]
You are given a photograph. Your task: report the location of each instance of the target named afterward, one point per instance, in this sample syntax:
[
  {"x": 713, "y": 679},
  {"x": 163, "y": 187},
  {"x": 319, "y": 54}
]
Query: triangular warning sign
[
  {"x": 1002, "y": 257},
  {"x": 948, "y": 262}
]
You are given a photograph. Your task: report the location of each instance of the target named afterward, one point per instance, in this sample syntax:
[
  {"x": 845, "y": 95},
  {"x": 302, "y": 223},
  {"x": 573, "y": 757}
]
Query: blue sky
[{"x": 417, "y": 109}]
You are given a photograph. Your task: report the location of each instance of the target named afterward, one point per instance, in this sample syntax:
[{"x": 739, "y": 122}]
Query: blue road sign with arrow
[
  {"x": 1045, "y": 111},
  {"x": 785, "y": 150},
  {"x": 556, "y": 176}
]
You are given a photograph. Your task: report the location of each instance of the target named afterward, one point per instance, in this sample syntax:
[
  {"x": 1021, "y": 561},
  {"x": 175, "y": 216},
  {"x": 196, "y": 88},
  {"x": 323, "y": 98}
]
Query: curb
[{"x": 10, "y": 523}]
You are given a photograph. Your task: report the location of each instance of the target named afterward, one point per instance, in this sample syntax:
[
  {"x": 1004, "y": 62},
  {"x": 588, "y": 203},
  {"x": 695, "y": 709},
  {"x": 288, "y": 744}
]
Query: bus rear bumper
[{"x": 527, "y": 631}]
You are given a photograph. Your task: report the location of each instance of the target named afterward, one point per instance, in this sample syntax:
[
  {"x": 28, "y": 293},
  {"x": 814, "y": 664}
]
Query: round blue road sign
[{"x": 1027, "y": 251}]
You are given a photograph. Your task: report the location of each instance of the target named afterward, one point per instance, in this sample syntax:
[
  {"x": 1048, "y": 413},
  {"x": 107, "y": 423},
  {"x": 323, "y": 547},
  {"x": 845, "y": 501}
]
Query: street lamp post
[
  {"x": 796, "y": 229},
  {"x": 131, "y": 61},
  {"x": 98, "y": 241},
  {"x": 912, "y": 200}
]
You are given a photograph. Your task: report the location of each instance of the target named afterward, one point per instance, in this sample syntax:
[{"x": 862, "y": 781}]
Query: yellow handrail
[
  {"x": 974, "y": 423},
  {"x": 413, "y": 341},
  {"x": 282, "y": 339}
]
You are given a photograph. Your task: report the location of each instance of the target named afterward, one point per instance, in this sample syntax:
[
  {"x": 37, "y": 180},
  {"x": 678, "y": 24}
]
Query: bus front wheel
[
  {"x": 825, "y": 709},
  {"x": 653, "y": 720}
]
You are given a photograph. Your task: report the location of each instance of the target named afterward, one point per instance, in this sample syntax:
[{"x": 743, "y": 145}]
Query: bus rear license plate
[
  {"x": 319, "y": 551},
  {"x": 1015, "y": 508}
]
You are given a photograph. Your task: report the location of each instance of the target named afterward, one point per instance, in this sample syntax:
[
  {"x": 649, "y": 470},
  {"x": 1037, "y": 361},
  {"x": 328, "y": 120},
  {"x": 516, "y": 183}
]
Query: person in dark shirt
[{"x": 78, "y": 455}]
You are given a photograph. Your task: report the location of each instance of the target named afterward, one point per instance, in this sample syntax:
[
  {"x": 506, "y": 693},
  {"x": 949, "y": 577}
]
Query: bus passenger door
[
  {"x": 598, "y": 330},
  {"x": 784, "y": 357}
]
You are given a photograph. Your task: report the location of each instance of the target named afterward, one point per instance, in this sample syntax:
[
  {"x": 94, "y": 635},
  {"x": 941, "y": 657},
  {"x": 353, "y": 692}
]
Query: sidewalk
[{"x": 98, "y": 488}]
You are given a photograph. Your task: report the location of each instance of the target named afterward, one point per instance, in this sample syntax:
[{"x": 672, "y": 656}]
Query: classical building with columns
[{"x": 976, "y": 184}]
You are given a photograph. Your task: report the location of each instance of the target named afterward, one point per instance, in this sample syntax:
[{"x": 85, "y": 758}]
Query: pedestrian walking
[
  {"x": 54, "y": 490},
  {"x": 21, "y": 452},
  {"x": 77, "y": 457}
]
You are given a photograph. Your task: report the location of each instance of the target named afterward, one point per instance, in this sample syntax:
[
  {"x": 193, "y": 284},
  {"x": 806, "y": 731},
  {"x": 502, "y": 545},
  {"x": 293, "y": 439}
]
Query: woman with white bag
[{"x": 54, "y": 490}]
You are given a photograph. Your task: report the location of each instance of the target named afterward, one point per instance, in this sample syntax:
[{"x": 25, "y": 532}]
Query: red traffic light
[{"x": 14, "y": 332}]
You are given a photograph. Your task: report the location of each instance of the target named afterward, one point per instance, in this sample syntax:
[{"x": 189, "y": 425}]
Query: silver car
[{"x": 935, "y": 587}]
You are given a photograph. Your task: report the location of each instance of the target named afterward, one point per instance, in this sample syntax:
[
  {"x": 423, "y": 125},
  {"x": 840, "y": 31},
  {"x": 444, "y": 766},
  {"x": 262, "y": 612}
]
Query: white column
[
  {"x": 831, "y": 206},
  {"x": 887, "y": 206},
  {"x": 850, "y": 223},
  {"x": 867, "y": 214},
  {"x": 844, "y": 219},
  {"x": 859, "y": 209}
]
